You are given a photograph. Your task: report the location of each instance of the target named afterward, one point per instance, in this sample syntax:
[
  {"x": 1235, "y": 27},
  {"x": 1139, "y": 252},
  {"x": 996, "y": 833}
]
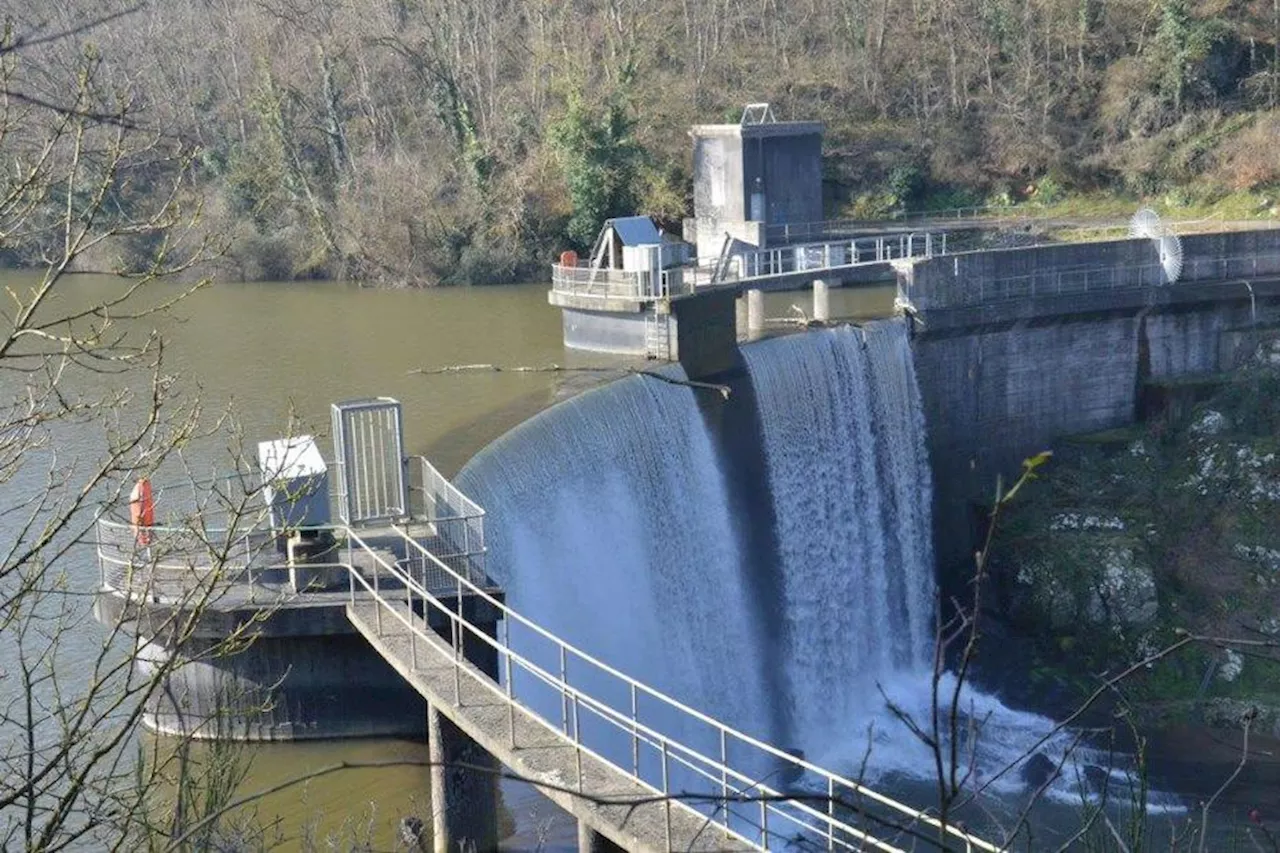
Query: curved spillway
[
  {"x": 620, "y": 521},
  {"x": 609, "y": 525}
]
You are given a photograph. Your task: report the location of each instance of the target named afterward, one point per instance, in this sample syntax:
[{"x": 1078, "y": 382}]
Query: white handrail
[
  {"x": 627, "y": 725},
  {"x": 716, "y": 725},
  {"x": 119, "y": 548}
]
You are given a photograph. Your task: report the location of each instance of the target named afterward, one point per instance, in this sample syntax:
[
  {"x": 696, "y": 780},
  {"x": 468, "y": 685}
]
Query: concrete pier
[
  {"x": 530, "y": 747},
  {"x": 755, "y": 314},
  {"x": 464, "y": 801},
  {"x": 821, "y": 300},
  {"x": 590, "y": 841}
]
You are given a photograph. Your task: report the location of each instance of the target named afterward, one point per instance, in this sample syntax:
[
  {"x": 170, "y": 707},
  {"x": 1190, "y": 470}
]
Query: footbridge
[
  {"x": 626, "y": 297},
  {"x": 639, "y": 769}
]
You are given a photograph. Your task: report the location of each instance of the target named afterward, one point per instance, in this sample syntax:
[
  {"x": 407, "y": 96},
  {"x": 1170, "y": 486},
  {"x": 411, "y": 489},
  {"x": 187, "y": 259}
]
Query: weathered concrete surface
[
  {"x": 1004, "y": 370},
  {"x": 464, "y": 801},
  {"x": 590, "y": 841},
  {"x": 281, "y": 689},
  {"x": 821, "y": 300},
  {"x": 706, "y": 333},
  {"x": 600, "y": 330},
  {"x": 782, "y": 161},
  {"x": 521, "y": 741},
  {"x": 587, "y": 302},
  {"x": 755, "y": 313}
]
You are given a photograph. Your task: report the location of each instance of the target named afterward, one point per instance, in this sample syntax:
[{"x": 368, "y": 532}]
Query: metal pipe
[
  {"x": 511, "y": 705},
  {"x": 831, "y": 814},
  {"x": 564, "y": 699},
  {"x": 635, "y": 734},
  {"x": 724, "y": 775}
]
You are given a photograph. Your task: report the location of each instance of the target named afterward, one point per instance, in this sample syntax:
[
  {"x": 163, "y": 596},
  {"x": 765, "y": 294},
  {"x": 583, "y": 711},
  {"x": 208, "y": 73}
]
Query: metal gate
[{"x": 369, "y": 446}]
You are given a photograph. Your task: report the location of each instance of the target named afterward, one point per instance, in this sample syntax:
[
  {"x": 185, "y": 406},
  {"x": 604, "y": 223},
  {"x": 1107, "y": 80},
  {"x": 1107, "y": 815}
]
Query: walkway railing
[
  {"x": 955, "y": 292},
  {"x": 744, "y": 266},
  {"x": 456, "y": 538},
  {"x": 584, "y": 280},
  {"x": 992, "y": 218},
  {"x": 807, "y": 232},
  {"x": 832, "y": 255},
  {"x": 629, "y": 725},
  {"x": 606, "y": 715},
  {"x": 217, "y": 535}
]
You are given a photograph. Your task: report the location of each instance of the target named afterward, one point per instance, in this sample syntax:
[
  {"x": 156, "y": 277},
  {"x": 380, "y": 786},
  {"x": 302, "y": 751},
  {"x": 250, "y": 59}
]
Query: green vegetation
[
  {"x": 1135, "y": 538},
  {"x": 428, "y": 141}
]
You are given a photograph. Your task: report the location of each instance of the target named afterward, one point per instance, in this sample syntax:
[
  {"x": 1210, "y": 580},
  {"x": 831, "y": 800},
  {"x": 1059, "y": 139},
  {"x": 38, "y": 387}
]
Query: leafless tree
[{"x": 88, "y": 407}]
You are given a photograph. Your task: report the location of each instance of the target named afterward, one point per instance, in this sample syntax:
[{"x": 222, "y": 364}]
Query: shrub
[
  {"x": 1049, "y": 190},
  {"x": 906, "y": 185}
]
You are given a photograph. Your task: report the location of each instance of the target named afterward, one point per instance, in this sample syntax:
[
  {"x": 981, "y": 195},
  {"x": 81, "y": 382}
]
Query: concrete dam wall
[{"x": 1015, "y": 349}]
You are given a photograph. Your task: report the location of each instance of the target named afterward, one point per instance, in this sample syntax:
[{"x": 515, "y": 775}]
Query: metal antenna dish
[{"x": 1146, "y": 225}]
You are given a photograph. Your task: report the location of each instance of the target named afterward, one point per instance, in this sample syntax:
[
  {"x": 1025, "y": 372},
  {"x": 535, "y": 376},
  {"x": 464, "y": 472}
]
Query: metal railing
[
  {"x": 987, "y": 218},
  {"x": 667, "y": 746},
  {"x": 832, "y": 255},
  {"x": 214, "y": 535},
  {"x": 584, "y": 280},
  {"x": 728, "y": 769},
  {"x": 1067, "y": 281},
  {"x": 216, "y": 566},
  {"x": 457, "y": 526},
  {"x": 803, "y": 232},
  {"x": 745, "y": 266}
]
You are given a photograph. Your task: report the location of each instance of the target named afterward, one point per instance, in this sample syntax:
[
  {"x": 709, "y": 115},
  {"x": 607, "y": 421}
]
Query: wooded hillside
[{"x": 418, "y": 141}]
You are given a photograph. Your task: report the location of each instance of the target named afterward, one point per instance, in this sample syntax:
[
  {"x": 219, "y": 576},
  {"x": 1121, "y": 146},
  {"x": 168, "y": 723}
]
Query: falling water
[
  {"x": 609, "y": 523},
  {"x": 850, "y": 484}
]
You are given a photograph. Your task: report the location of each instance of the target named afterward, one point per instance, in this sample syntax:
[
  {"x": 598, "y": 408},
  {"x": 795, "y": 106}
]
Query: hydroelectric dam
[{"x": 697, "y": 619}]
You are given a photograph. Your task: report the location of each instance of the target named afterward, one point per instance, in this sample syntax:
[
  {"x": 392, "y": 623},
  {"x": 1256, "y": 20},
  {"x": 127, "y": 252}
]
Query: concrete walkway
[{"x": 532, "y": 749}]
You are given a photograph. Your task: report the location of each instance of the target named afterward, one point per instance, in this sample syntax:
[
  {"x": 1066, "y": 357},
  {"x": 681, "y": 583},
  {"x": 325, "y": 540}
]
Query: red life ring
[{"x": 142, "y": 511}]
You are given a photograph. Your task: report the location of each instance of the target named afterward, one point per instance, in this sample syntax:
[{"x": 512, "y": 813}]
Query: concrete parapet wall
[
  {"x": 601, "y": 331},
  {"x": 1003, "y": 377},
  {"x": 706, "y": 332},
  {"x": 1081, "y": 269}
]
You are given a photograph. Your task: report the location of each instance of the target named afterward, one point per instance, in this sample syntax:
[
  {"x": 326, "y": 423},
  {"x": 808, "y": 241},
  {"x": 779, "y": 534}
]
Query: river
[{"x": 271, "y": 352}]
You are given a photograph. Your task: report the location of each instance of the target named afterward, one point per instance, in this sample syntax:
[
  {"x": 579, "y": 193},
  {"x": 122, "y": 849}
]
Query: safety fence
[
  {"x": 659, "y": 742},
  {"x": 214, "y": 539},
  {"x": 947, "y": 286},
  {"x": 743, "y": 265}
]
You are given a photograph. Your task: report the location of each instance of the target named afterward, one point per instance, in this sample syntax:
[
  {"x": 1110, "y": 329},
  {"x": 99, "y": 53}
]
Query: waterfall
[
  {"x": 850, "y": 483},
  {"x": 609, "y": 523}
]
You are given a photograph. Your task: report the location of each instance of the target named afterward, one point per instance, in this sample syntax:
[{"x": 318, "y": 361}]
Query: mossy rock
[{"x": 1084, "y": 579}]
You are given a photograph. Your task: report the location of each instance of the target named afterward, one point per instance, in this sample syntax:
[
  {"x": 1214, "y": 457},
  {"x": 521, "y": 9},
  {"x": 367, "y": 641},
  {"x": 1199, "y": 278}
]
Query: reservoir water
[{"x": 272, "y": 352}]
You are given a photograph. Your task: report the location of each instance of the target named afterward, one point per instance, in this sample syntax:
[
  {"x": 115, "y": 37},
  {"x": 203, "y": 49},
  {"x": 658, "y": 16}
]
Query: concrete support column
[
  {"x": 755, "y": 313},
  {"x": 821, "y": 300},
  {"x": 464, "y": 802},
  {"x": 590, "y": 841}
]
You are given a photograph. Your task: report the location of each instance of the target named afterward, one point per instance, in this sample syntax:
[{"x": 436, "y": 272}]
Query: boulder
[
  {"x": 1038, "y": 770},
  {"x": 1086, "y": 579}
]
